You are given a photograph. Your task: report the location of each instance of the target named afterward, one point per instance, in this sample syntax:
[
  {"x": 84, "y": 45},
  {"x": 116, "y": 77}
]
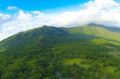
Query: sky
[
  {"x": 22, "y": 15},
  {"x": 41, "y": 5}
]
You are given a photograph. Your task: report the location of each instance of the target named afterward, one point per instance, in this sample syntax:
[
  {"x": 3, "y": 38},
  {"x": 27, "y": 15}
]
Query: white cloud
[
  {"x": 12, "y": 8},
  {"x": 105, "y": 12}
]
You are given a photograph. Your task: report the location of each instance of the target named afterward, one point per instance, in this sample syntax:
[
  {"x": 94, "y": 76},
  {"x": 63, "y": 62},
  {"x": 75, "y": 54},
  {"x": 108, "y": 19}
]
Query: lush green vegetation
[{"x": 89, "y": 52}]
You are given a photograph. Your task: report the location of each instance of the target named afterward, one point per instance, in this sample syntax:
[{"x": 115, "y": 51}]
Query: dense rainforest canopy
[{"x": 87, "y": 52}]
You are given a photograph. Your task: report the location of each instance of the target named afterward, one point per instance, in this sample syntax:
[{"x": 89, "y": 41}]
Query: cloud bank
[{"x": 105, "y": 12}]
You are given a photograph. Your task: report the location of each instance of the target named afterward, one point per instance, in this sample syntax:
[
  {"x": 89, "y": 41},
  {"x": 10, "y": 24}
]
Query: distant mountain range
[{"x": 84, "y": 52}]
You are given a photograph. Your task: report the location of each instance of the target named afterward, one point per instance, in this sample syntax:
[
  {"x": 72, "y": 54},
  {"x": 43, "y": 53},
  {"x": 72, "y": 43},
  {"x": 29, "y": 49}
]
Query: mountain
[
  {"x": 101, "y": 31},
  {"x": 84, "y": 52},
  {"x": 35, "y": 37}
]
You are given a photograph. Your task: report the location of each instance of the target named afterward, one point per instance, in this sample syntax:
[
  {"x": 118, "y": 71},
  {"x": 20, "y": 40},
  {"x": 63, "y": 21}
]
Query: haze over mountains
[
  {"x": 105, "y": 12},
  {"x": 88, "y": 52}
]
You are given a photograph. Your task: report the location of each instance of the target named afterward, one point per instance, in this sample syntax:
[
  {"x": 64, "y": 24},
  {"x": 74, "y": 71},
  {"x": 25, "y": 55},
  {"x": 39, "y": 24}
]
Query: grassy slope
[{"x": 98, "y": 31}]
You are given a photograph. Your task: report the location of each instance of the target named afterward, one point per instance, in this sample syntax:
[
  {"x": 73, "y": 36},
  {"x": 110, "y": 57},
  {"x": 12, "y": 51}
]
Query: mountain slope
[
  {"x": 108, "y": 33},
  {"x": 88, "y": 52},
  {"x": 35, "y": 37}
]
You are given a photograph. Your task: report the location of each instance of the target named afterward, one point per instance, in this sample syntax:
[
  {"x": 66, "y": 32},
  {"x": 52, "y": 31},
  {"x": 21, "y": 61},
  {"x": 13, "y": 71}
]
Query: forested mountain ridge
[
  {"x": 85, "y": 52},
  {"x": 34, "y": 37}
]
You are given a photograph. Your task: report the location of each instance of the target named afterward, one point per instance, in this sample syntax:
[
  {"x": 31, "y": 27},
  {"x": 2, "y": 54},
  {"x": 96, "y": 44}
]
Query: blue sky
[
  {"x": 41, "y": 5},
  {"x": 21, "y": 15}
]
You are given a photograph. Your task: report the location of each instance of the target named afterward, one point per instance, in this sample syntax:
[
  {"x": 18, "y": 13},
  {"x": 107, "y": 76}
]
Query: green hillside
[
  {"x": 100, "y": 31},
  {"x": 87, "y": 52}
]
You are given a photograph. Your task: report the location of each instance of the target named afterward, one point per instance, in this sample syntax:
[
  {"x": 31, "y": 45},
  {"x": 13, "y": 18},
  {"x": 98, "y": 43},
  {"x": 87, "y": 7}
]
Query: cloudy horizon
[{"x": 16, "y": 19}]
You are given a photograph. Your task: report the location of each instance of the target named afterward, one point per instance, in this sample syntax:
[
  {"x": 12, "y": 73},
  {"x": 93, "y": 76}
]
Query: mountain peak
[
  {"x": 113, "y": 29},
  {"x": 94, "y": 24},
  {"x": 35, "y": 36}
]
